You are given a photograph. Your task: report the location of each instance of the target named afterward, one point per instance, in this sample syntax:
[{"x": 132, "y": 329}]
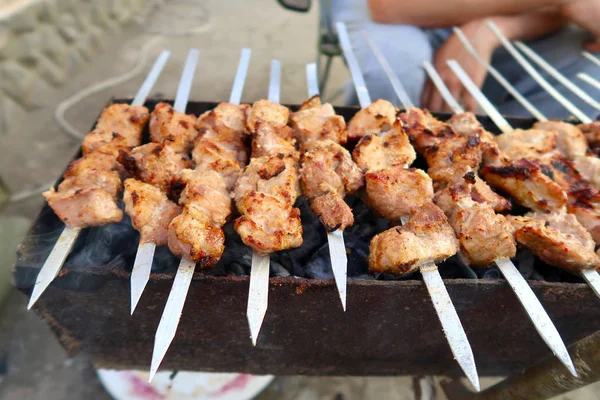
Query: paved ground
[{"x": 32, "y": 364}]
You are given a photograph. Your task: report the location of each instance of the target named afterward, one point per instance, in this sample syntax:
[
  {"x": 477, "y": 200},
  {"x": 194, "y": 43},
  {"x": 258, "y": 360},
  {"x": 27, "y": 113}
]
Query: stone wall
[{"x": 45, "y": 42}]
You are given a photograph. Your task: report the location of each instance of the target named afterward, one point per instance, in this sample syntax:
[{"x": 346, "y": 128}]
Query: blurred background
[{"x": 52, "y": 50}]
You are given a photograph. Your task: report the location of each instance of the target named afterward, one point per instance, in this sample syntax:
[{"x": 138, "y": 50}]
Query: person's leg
[{"x": 563, "y": 51}]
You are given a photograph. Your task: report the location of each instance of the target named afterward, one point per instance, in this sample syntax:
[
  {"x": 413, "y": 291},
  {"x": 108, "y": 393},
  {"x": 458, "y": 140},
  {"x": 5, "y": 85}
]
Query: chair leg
[{"x": 325, "y": 77}]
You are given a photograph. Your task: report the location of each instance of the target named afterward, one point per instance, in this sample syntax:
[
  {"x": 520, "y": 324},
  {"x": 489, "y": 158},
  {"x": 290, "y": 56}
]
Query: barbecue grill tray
[{"x": 390, "y": 327}]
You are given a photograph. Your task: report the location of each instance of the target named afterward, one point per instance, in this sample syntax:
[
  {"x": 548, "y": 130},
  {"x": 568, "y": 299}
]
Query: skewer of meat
[
  {"x": 196, "y": 234},
  {"x": 265, "y": 194},
  {"x": 396, "y": 192},
  {"x": 87, "y": 196},
  {"x": 549, "y": 233},
  {"x": 327, "y": 172},
  {"x": 153, "y": 166}
]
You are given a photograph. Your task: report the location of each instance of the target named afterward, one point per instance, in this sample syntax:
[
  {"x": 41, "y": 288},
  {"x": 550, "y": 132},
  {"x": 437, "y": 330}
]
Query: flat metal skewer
[
  {"x": 359, "y": 83},
  {"x": 498, "y": 76},
  {"x": 553, "y": 72},
  {"x": 335, "y": 239},
  {"x": 441, "y": 87},
  {"x": 580, "y": 115},
  {"x": 142, "y": 266},
  {"x": 591, "y": 57},
  {"x": 69, "y": 235},
  {"x": 588, "y": 79},
  {"x": 169, "y": 321},
  {"x": 258, "y": 294},
  {"x": 542, "y": 322},
  {"x": 451, "y": 325}
]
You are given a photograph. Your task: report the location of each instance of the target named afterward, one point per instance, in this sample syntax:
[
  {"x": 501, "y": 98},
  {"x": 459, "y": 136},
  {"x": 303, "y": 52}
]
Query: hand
[
  {"x": 585, "y": 14},
  {"x": 484, "y": 42}
]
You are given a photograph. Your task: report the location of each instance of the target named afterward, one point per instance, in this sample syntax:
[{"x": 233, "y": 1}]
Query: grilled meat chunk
[
  {"x": 150, "y": 210},
  {"x": 268, "y": 224},
  {"x": 193, "y": 235},
  {"x": 524, "y": 181},
  {"x": 332, "y": 211},
  {"x": 426, "y": 236},
  {"x": 106, "y": 180},
  {"x": 178, "y": 128},
  {"x": 484, "y": 235},
  {"x": 275, "y": 175},
  {"x": 224, "y": 116},
  {"x": 589, "y": 168},
  {"x": 316, "y": 121},
  {"x": 466, "y": 124},
  {"x": 385, "y": 149},
  {"x": 378, "y": 117},
  {"x": 557, "y": 239},
  {"x": 531, "y": 143},
  {"x": 84, "y": 208},
  {"x": 592, "y": 134},
  {"x": 267, "y": 111},
  {"x": 154, "y": 163},
  {"x": 394, "y": 192},
  {"x": 104, "y": 159},
  {"x": 570, "y": 140},
  {"x": 270, "y": 139}
]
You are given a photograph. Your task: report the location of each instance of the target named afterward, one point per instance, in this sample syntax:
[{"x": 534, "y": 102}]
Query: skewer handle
[
  {"x": 441, "y": 87},
  {"x": 185, "y": 83},
  {"x": 275, "y": 81},
  {"x": 536, "y": 75},
  {"x": 557, "y": 75},
  {"x": 488, "y": 107},
  {"x": 359, "y": 83},
  {"x": 542, "y": 322},
  {"x": 54, "y": 262},
  {"x": 494, "y": 72},
  {"x": 396, "y": 84},
  {"x": 144, "y": 91},
  {"x": 240, "y": 77},
  {"x": 312, "y": 80}
]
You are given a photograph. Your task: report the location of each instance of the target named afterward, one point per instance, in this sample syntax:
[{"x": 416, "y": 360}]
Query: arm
[
  {"x": 435, "y": 13},
  {"x": 518, "y": 27}
]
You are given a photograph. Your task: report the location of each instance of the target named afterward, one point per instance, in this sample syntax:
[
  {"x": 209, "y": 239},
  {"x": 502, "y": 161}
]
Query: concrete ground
[{"x": 32, "y": 364}]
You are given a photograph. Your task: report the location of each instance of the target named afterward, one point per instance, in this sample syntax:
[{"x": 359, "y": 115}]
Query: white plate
[{"x": 133, "y": 385}]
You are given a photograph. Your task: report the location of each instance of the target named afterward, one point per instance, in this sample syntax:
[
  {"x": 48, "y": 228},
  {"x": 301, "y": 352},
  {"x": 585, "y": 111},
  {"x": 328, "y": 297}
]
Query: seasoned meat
[
  {"x": 122, "y": 119},
  {"x": 484, "y": 235},
  {"x": 178, "y": 128},
  {"x": 269, "y": 112},
  {"x": 570, "y": 140},
  {"x": 378, "y": 117},
  {"x": 426, "y": 236},
  {"x": 108, "y": 181},
  {"x": 332, "y": 211},
  {"x": 466, "y": 124},
  {"x": 268, "y": 224},
  {"x": 557, "y": 239},
  {"x": 191, "y": 234},
  {"x": 275, "y": 175},
  {"x": 219, "y": 144},
  {"x": 154, "y": 163},
  {"x": 224, "y": 116},
  {"x": 150, "y": 210},
  {"x": 452, "y": 158},
  {"x": 271, "y": 139},
  {"x": 425, "y": 131},
  {"x": 525, "y": 182},
  {"x": 592, "y": 134},
  {"x": 328, "y": 167},
  {"x": 530, "y": 143},
  {"x": 316, "y": 121},
  {"x": 386, "y": 149},
  {"x": 589, "y": 168},
  {"x": 102, "y": 159},
  {"x": 98, "y": 139},
  {"x": 85, "y": 207},
  {"x": 394, "y": 192}
]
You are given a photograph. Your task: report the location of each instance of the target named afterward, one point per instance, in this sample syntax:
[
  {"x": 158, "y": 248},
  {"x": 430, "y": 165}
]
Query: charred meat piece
[
  {"x": 378, "y": 117},
  {"x": 426, "y": 236},
  {"x": 383, "y": 150},
  {"x": 224, "y": 116},
  {"x": 104, "y": 159},
  {"x": 484, "y": 235},
  {"x": 85, "y": 207},
  {"x": 268, "y": 224},
  {"x": 269, "y": 112},
  {"x": 570, "y": 140},
  {"x": 270, "y": 139},
  {"x": 332, "y": 211},
  {"x": 150, "y": 210},
  {"x": 589, "y": 168},
  {"x": 167, "y": 124},
  {"x": 592, "y": 134},
  {"x": 466, "y": 124},
  {"x": 154, "y": 163},
  {"x": 531, "y": 143},
  {"x": 316, "y": 121},
  {"x": 107, "y": 180},
  {"x": 394, "y": 192},
  {"x": 557, "y": 239},
  {"x": 425, "y": 131}
]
